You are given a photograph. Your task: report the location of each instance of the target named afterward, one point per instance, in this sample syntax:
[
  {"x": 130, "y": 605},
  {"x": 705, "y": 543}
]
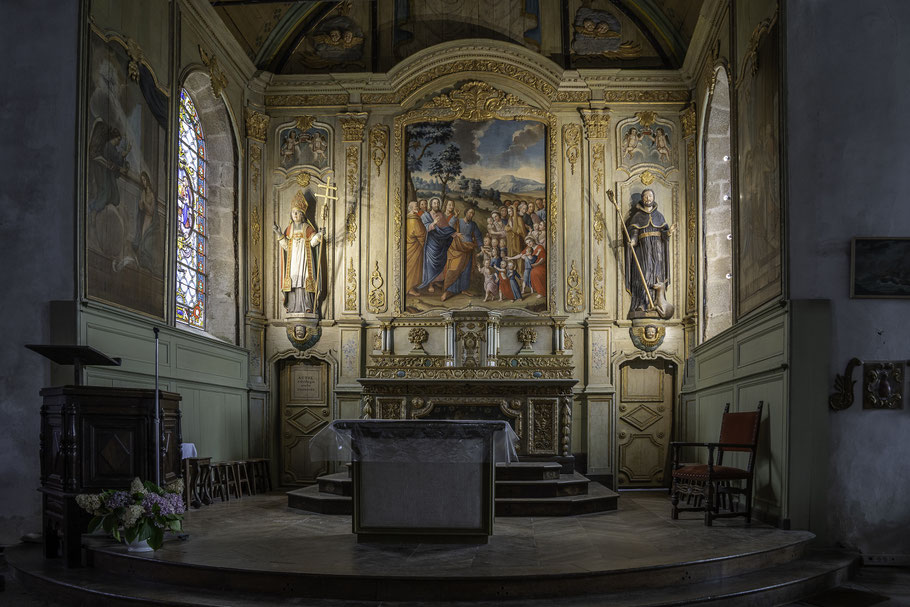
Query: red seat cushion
[{"x": 700, "y": 472}]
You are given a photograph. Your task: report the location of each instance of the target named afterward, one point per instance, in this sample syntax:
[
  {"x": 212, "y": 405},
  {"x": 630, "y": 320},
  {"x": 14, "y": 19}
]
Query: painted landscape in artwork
[{"x": 476, "y": 211}]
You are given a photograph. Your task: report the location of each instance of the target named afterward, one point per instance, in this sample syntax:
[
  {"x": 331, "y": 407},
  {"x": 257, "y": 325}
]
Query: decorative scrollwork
[
  {"x": 598, "y": 168},
  {"x": 217, "y": 77},
  {"x": 350, "y": 289},
  {"x": 571, "y": 135},
  {"x": 842, "y": 398},
  {"x": 257, "y": 124},
  {"x": 599, "y": 295},
  {"x": 647, "y": 178},
  {"x": 255, "y": 166},
  {"x": 574, "y": 294},
  {"x": 379, "y": 143},
  {"x": 255, "y": 285},
  {"x": 306, "y": 100},
  {"x": 377, "y": 294},
  {"x": 475, "y": 101},
  {"x": 255, "y": 226},
  {"x": 304, "y": 123}
]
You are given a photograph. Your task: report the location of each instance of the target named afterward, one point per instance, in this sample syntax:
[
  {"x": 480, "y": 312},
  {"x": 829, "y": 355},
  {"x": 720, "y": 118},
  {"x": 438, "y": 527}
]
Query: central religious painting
[{"x": 476, "y": 215}]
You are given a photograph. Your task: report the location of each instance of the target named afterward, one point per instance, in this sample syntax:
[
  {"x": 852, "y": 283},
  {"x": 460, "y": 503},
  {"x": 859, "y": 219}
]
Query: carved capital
[
  {"x": 597, "y": 123},
  {"x": 352, "y": 126},
  {"x": 257, "y": 124},
  {"x": 687, "y": 116}
]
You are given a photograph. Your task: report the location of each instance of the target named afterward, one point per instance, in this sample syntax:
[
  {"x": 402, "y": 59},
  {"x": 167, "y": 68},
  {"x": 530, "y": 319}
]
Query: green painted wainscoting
[
  {"x": 778, "y": 356},
  {"x": 210, "y": 375}
]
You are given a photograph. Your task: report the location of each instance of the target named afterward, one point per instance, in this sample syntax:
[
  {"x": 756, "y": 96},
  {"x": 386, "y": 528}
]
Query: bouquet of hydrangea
[{"x": 144, "y": 512}]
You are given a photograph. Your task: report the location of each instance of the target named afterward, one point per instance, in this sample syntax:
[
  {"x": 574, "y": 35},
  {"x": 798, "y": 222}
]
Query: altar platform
[{"x": 255, "y": 551}]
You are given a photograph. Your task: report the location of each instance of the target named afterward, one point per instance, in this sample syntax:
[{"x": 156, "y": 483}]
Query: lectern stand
[{"x": 95, "y": 438}]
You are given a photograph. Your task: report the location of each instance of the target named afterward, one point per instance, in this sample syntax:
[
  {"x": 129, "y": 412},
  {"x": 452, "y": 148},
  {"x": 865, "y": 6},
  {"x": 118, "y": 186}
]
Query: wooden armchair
[{"x": 712, "y": 485}]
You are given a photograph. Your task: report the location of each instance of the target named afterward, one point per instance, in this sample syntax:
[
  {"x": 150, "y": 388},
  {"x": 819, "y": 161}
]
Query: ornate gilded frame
[{"x": 474, "y": 101}]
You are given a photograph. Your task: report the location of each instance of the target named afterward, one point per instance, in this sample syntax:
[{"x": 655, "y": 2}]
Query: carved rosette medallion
[
  {"x": 350, "y": 288},
  {"x": 647, "y": 178},
  {"x": 377, "y": 294},
  {"x": 574, "y": 294},
  {"x": 303, "y": 179},
  {"x": 571, "y": 135},
  {"x": 257, "y": 124},
  {"x": 379, "y": 143}
]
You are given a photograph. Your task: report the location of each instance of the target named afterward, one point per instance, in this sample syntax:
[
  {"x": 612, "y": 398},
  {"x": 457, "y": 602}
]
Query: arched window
[
  {"x": 717, "y": 239},
  {"x": 191, "y": 205}
]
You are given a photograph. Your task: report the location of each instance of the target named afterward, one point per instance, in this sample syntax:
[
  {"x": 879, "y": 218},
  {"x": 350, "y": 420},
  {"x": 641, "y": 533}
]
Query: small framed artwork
[{"x": 880, "y": 268}]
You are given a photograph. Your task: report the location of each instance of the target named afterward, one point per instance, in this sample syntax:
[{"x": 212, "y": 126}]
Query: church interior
[{"x": 608, "y": 232}]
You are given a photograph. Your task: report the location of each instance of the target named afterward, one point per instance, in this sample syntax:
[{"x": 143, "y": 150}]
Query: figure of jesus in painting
[
  {"x": 301, "y": 259},
  {"x": 415, "y": 241},
  {"x": 457, "y": 273}
]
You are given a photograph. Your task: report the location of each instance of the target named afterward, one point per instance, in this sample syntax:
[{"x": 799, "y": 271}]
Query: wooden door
[
  {"x": 645, "y": 419},
  {"x": 306, "y": 408}
]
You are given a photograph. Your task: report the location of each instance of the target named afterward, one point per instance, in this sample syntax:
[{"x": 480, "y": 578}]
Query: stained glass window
[{"x": 191, "y": 203}]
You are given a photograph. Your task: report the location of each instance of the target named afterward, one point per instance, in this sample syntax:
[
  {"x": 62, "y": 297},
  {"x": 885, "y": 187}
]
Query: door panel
[
  {"x": 645, "y": 422},
  {"x": 305, "y": 410}
]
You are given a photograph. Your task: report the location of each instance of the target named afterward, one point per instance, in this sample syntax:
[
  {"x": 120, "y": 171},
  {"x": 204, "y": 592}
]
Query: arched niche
[
  {"x": 717, "y": 211},
  {"x": 222, "y": 267}
]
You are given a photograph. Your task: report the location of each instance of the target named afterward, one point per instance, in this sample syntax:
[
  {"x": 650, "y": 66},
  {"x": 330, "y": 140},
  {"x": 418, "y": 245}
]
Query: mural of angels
[
  {"x": 651, "y": 144},
  {"x": 299, "y": 147}
]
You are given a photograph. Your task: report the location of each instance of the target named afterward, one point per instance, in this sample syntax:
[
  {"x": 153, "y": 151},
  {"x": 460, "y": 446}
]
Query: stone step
[
  {"x": 777, "y": 584},
  {"x": 564, "y": 485},
  {"x": 311, "y": 499},
  {"x": 335, "y": 484},
  {"x": 597, "y": 499},
  {"x": 528, "y": 471}
]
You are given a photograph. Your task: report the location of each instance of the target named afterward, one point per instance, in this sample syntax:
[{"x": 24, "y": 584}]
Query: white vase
[{"x": 138, "y": 546}]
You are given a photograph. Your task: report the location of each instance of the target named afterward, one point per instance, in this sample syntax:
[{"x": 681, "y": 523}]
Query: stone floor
[{"x": 639, "y": 534}]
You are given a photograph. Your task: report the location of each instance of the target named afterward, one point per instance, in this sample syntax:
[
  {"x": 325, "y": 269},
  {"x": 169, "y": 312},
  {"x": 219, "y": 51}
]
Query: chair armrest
[
  {"x": 731, "y": 445},
  {"x": 685, "y": 444}
]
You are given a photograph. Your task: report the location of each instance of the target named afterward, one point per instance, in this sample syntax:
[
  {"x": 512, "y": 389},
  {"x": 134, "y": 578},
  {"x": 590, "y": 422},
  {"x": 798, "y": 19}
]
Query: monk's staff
[{"x": 631, "y": 248}]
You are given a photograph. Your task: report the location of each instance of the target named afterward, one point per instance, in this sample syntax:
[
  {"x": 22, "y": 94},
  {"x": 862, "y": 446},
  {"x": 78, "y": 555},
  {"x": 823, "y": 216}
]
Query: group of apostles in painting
[{"x": 445, "y": 246}]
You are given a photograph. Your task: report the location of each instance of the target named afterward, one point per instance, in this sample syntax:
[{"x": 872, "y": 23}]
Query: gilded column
[
  {"x": 597, "y": 123},
  {"x": 687, "y": 118},
  {"x": 257, "y": 126},
  {"x": 352, "y": 127}
]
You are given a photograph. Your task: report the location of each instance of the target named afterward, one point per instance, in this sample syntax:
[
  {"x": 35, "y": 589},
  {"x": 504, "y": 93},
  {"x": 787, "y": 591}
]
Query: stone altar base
[
  {"x": 526, "y": 488},
  {"x": 254, "y": 552}
]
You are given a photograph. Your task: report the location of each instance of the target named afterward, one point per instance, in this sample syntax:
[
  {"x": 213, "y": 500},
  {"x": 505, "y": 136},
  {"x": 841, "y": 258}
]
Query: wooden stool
[
  {"x": 262, "y": 480},
  {"x": 222, "y": 480},
  {"x": 241, "y": 477},
  {"x": 196, "y": 473}
]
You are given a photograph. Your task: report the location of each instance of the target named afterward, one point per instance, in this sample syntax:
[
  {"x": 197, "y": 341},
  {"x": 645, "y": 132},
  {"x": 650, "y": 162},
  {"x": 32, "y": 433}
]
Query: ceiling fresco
[{"x": 374, "y": 35}]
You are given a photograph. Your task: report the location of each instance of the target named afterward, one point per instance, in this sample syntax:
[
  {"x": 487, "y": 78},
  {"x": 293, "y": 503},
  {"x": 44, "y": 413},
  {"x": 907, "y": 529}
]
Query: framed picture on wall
[{"x": 880, "y": 268}]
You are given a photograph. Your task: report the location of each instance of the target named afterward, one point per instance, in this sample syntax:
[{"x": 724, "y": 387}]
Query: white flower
[
  {"x": 175, "y": 487},
  {"x": 131, "y": 515},
  {"x": 89, "y": 503},
  {"x": 137, "y": 487}
]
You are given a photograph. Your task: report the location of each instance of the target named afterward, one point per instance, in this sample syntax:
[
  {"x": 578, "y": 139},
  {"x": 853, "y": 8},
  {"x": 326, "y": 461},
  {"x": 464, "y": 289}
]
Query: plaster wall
[
  {"x": 846, "y": 180},
  {"x": 37, "y": 190}
]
